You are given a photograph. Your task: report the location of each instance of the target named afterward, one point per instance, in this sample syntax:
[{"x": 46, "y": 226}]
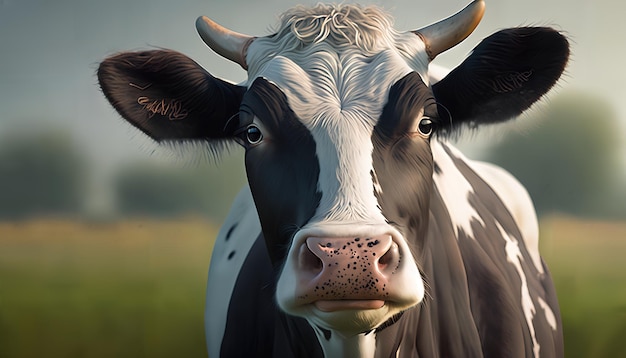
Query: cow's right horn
[
  {"x": 449, "y": 32},
  {"x": 226, "y": 43}
]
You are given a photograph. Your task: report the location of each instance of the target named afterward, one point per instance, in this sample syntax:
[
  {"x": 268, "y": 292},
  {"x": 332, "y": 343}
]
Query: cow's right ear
[{"x": 168, "y": 96}]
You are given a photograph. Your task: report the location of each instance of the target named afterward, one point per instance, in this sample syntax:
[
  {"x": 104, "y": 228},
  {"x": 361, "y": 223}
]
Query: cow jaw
[{"x": 330, "y": 295}]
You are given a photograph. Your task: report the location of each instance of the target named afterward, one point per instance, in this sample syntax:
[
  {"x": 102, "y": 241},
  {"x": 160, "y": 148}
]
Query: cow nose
[
  {"x": 348, "y": 268},
  {"x": 379, "y": 253}
]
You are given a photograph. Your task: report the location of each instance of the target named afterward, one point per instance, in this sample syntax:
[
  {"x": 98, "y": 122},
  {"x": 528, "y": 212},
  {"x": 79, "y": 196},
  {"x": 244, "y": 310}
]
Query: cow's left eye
[
  {"x": 253, "y": 134},
  {"x": 425, "y": 126}
]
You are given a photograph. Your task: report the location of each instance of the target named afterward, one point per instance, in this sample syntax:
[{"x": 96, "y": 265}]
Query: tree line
[{"x": 46, "y": 174}]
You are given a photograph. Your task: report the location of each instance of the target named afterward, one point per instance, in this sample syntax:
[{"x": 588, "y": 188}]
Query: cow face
[{"x": 336, "y": 120}]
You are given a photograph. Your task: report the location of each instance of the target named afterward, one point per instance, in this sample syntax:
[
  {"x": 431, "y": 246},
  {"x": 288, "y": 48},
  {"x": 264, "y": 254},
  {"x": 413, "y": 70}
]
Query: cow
[{"x": 362, "y": 232}]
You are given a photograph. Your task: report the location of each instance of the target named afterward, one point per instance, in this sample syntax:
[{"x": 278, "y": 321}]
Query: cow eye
[
  {"x": 253, "y": 134},
  {"x": 425, "y": 126}
]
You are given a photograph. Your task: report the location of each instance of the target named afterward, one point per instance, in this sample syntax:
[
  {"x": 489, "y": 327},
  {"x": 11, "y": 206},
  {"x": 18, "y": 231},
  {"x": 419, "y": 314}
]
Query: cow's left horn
[
  {"x": 226, "y": 43},
  {"x": 449, "y": 32}
]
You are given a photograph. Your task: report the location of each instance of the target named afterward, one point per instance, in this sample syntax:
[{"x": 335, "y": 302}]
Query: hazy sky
[{"x": 49, "y": 51}]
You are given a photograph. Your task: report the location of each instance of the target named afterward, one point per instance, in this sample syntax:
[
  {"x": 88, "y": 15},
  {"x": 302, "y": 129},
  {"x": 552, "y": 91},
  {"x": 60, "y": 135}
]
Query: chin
[{"x": 348, "y": 321}]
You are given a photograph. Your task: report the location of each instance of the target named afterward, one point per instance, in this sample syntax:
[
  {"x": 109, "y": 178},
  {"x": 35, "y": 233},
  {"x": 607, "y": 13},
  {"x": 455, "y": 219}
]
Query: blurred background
[{"x": 105, "y": 238}]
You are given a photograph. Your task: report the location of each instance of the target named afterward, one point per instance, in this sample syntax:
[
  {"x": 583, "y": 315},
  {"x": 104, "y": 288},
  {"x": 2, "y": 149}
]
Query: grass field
[
  {"x": 128, "y": 289},
  {"x": 588, "y": 263},
  {"x": 136, "y": 288}
]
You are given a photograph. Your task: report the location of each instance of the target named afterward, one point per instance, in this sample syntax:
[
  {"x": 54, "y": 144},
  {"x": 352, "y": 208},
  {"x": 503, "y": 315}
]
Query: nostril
[
  {"x": 390, "y": 260},
  {"x": 309, "y": 262}
]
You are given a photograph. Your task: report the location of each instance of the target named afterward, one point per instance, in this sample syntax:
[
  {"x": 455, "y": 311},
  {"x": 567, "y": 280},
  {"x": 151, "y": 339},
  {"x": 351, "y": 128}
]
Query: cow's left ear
[
  {"x": 168, "y": 96},
  {"x": 504, "y": 75}
]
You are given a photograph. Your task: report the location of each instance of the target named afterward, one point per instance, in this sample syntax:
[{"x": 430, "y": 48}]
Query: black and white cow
[{"x": 362, "y": 233}]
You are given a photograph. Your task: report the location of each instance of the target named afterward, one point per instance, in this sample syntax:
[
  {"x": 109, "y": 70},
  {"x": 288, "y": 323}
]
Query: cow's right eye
[
  {"x": 425, "y": 126},
  {"x": 253, "y": 134}
]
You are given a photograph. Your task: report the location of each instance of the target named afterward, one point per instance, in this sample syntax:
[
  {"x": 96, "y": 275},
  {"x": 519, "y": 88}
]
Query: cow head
[{"x": 337, "y": 118}]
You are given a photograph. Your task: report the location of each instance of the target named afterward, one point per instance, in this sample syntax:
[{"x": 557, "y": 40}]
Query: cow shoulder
[
  {"x": 518, "y": 202},
  {"x": 232, "y": 245},
  {"x": 452, "y": 184}
]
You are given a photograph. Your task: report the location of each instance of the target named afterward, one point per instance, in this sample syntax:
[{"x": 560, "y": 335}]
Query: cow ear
[
  {"x": 504, "y": 75},
  {"x": 168, "y": 96}
]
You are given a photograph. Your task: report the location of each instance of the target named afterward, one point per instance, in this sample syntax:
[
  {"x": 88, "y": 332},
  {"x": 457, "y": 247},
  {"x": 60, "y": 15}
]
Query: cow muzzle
[
  {"x": 347, "y": 282},
  {"x": 347, "y": 273}
]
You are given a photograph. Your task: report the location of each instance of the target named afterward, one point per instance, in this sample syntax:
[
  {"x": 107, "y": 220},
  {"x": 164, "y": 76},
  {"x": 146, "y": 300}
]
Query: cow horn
[
  {"x": 224, "y": 42},
  {"x": 449, "y": 32}
]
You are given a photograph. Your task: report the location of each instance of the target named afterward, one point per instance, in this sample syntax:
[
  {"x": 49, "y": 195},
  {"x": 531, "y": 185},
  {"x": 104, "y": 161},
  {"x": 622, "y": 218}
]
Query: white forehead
[
  {"x": 333, "y": 61},
  {"x": 324, "y": 82}
]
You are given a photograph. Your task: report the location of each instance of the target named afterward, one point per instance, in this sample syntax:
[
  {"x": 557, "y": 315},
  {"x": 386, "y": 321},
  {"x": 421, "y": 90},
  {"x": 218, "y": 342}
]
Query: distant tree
[
  {"x": 41, "y": 173},
  {"x": 162, "y": 189},
  {"x": 569, "y": 160}
]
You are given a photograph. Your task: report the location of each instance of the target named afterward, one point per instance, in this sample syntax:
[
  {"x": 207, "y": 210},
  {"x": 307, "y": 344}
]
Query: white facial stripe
[
  {"x": 455, "y": 190},
  {"x": 344, "y": 180}
]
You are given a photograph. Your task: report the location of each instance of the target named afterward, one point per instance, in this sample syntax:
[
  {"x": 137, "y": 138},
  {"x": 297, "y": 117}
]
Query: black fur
[
  {"x": 282, "y": 170},
  {"x": 168, "y": 96},
  {"x": 505, "y": 74}
]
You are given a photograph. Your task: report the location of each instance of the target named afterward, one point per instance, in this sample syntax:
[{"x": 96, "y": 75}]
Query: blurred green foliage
[
  {"x": 170, "y": 189},
  {"x": 41, "y": 173},
  {"x": 570, "y": 160}
]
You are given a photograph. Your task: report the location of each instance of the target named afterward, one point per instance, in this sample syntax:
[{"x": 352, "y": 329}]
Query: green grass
[
  {"x": 132, "y": 289},
  {"x": 136, "y": 288},
  {"x": 588, "y": 263}
]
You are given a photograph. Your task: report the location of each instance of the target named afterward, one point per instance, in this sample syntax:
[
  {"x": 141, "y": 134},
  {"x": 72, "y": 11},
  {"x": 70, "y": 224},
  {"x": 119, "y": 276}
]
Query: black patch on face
[
  {"x": 407, "y": 98},
  {"x": 402, "y": 158},
  {"x": 282, "y": 170},
  {"x": 255, "y": 326}
]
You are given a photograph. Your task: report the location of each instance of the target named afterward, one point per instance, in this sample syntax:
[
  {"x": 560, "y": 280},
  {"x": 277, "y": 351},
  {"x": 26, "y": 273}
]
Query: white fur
[
  {"x": 514, "y": 256},
  {"x": 517, "y": 201},
  {"x": 550, "y": 317},
  {"x": 454, "y": 190},
  {"x": 223, "y": 272}
]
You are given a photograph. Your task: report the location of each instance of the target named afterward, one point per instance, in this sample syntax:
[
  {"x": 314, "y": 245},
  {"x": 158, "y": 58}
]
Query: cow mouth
[
  {"x": 350, "y": 316},
  {"x": 342, "y": 305}
]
